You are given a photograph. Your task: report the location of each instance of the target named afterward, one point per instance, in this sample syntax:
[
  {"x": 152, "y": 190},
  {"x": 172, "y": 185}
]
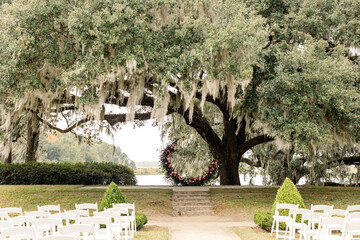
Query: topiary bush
[
  {"x": 65, "y": 173},
  {"x": 263, "y": 219},
  {"x": 141, "y": 220},
  {"x": 287, "y": 193},
  {"x": 112, "y": 195}
]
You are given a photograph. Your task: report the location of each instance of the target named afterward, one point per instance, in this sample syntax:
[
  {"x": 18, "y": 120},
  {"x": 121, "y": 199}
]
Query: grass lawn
[
  {"x": 149, "y": 201},
  {"x": 152, "y": 233},
  {"x": 253, "y": 233},
  {"x": 244, "y": 201}
]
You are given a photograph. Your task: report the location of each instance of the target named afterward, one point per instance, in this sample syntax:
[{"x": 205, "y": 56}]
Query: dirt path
[{"x": 199, "y": 227}]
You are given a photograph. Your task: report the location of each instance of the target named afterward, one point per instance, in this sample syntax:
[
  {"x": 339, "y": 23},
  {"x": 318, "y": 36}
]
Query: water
[{"x": 160, "y": 180}]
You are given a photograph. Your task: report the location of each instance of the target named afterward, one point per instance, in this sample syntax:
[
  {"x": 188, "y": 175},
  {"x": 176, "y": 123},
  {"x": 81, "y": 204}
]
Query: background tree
[{"x": 277, "y": 71}]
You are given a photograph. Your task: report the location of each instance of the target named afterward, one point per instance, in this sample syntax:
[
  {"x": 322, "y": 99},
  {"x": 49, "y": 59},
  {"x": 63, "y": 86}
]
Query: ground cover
[
  {"x": 253, "y": 233},
  {"x": 151, "y": 233},
  {"x": 148, "y": 201},
  {"x": 244, "y": 201}
]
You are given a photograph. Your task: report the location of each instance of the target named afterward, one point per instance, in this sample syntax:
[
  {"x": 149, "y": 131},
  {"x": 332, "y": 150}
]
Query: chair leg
[
  {"x": 277, "y": 229},
  {"x": 272, "y": 227}
]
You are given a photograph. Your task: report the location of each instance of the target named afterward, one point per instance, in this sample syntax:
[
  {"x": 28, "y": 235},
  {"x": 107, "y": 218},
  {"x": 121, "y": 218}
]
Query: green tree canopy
[{"x": 282, "y": 71}]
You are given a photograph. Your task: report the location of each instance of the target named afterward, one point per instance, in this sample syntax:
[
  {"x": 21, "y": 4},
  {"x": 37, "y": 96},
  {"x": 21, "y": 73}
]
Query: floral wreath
[{"x": 173, "y": 176}]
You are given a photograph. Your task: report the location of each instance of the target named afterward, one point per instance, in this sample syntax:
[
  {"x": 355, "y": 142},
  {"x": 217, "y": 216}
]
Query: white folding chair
[
  {"x": 50, "y": 208},
  {"x": 281, "y": 215},
  {"x": 85, "y": 231},
  {"x": 336, "y": 213},
  {"x": 124, "y": 221},
  {"x": 79, "y": 213},
  {"x": 21, "y": 221},
  {"x": 353, "y": 208},
  {"x": 328, "y": 225},
  {"x": 66, "y": 218},
  {"x": 116, "y": 227},
  {"x": 353, "y": 217},
  {"x": 5, "y": 224},
  {"x": 37, "y": 214},
  {"x": 46, "y": 226},
  {"x": 351, "y": 231},
  {"x": 60, "y": 237},
  {"x": 18, "y": 233},
  {"x": 91, "y": 207},
  {"x": 321, "y": 208},
  {"x": 132, "y": 217},
  {"x": 102, "y": 226},
  {"x": 12, "y": 210},
  {"x": 4, "y": 216},
  {"x": 292, "y": 224},
  {"x": 309, "y": 222}
]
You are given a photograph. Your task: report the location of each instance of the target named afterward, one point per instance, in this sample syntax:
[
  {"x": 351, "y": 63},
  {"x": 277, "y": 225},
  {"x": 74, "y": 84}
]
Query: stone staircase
[{"x": 192, "y": 203}]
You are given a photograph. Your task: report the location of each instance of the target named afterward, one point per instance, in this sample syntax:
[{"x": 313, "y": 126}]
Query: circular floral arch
[{"x": 176, "y": 179}]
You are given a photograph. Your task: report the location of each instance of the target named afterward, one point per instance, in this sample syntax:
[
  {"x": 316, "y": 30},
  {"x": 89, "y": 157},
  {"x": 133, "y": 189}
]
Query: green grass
[
  {"x": 253, "y": 233},
  {"x": 244, "y": 201},
  {"x": 152, "y": 233},
  {"x": 150, "y": 201}
]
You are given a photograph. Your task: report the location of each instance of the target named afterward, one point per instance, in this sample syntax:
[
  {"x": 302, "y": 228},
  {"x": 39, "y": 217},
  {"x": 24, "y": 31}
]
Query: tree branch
[{"x": 255, "y": 141}]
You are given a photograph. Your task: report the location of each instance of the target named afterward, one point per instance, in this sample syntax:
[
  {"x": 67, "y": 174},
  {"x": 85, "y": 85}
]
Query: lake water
[{"x": 160, "y": 180}]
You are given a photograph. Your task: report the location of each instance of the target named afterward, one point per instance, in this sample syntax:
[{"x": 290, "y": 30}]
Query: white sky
[{"x": 140, "y": 144}]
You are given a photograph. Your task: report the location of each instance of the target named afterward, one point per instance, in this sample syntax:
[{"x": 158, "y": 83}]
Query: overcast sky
[{"x": 140, "y": 144}]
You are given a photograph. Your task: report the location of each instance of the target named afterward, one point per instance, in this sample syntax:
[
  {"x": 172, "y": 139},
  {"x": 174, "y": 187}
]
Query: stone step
[
  {"x": 190, "y": 196},
  {"x": 186, "y": 203},
  {"x": 192, "y": 203},
  {"x": 193, "y": 213},
  {"x": 193, "y": 208},
  {"x": 192, "y": 192}
]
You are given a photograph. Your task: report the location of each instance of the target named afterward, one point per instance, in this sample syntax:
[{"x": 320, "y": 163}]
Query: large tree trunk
[
  {"x": 229, "y": 172},
  {"x": 32, "y": 142},
  {"x": 7, "y": 152}
]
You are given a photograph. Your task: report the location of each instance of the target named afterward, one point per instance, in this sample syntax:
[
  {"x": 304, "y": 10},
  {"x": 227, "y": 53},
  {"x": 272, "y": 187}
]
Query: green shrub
[
  {"x": 112, "y": 195},
  {"x": 141, "y": 220},
  {"x": 287, "y": 193},
  {"x": 263, "y": 219},
  {"x": 65, "y": 173}
]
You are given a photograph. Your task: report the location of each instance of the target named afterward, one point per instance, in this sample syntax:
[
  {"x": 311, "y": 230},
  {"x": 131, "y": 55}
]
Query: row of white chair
[
  {"x": 121, "y": 217},
  {"x": 284, "y": 213}
]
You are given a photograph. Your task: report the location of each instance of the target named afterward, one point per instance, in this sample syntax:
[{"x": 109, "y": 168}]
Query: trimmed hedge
[
  {"x": 141, "y": 220},
  {"x": 287, "y": 193},
  {"x": 263, "y": 219},
  {"x": 66, "y": 173},
  {"x": 112, "y": 195}
]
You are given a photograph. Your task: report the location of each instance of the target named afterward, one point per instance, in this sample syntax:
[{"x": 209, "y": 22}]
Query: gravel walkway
[{"x": 200, "y": 227}]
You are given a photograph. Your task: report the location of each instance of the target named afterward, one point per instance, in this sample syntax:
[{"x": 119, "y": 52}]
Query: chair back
[
  {"x": 67, "y": 218},
  {"x": 4, "y": 216},
  {"x": 50, "y": 208},
  {"x": 284, "y": 208},
  {"x": 85, "y": 231},
  {"x": 21, "y": 221},
  {"x": 336, "y": 213},
  {"x": 60, "y": 237},
  {"x": 18, "y": 233},
  {"x": 353, "y": 217},
  {"x": 91, "y": 207},
  {"x": 102, "y": 226},
  {"x": 12, "y": 210},
  {"x": 37, "y": 214},
  {"x": 351, "y": 231},
  {"x": 46, "y": 226},
  {"x": 321, "y": 208},
  {"x": 328, "y": 225},
  {"x": 353, "y": 208}
]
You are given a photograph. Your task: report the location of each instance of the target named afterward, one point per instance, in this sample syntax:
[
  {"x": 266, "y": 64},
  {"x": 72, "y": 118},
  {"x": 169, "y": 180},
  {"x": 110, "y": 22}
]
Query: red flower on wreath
[{"x": 174, "y": 177}]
